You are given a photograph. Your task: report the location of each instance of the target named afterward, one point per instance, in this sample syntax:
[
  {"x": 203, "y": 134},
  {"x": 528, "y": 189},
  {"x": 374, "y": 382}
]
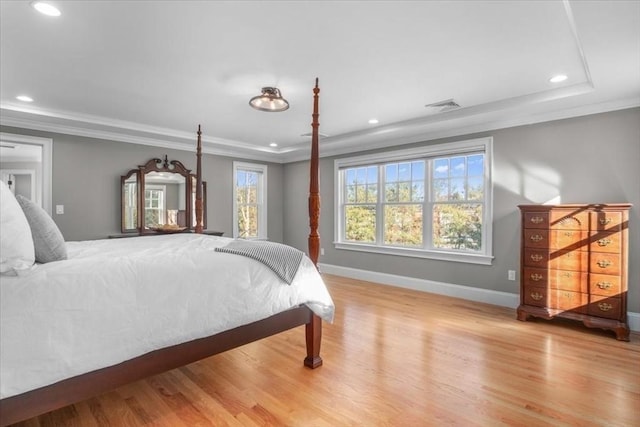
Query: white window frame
[
  {"x": 262, "y": 198},
  {"x": 485, "y": 145}
]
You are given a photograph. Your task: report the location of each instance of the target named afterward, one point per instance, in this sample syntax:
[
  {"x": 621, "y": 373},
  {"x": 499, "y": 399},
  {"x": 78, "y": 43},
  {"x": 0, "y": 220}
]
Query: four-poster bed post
[
  {"x": 313, "y": 329},
  {"x": 198, "y": 228}
]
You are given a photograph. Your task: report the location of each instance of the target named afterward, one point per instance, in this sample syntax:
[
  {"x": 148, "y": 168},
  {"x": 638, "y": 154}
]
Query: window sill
[{"x": 417, "y": 253}]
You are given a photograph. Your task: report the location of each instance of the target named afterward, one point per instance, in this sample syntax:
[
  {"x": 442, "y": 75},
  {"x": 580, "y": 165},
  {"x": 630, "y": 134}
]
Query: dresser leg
[
  {"x": 522, "y": 315},
  {"x": 622, "y": 333}
]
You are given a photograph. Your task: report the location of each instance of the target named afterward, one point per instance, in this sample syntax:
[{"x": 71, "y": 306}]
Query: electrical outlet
[
  {"x": 321, "y": 251},
  {"x": 59, "y": 209},
  {"x": 511, "y": 275}
]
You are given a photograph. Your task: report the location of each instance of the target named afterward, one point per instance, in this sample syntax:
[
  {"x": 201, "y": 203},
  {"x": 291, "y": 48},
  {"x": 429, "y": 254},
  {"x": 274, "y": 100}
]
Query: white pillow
[
  {"x": 16, "y": 243},
  {"x": 48, "y": 241}
]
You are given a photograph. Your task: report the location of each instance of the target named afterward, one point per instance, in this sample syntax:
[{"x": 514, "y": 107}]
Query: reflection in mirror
[
  {"x": 129, "y": 184},
  {"x": 164, "y": 199}
]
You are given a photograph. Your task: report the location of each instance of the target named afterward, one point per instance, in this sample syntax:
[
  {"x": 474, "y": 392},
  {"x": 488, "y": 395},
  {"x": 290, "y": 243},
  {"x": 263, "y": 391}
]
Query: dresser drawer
[
  {"x": 536, "y": 220},
  {"x": 602, "y": 306},
  {"x": 604, "y": 284},
  {"x": 555, "y": 239},
  {"x": 557, "y": 220},
  {"x": 556, "y": 299},
  {"x": 557, "y": 279},
  {"x": 604, "y": 263},
  {"x": 574, "y": 219},
  {"x": 606, "y": 220},
  {"x": 558, "y": 260},
  {"x": 605, "y": 241}
]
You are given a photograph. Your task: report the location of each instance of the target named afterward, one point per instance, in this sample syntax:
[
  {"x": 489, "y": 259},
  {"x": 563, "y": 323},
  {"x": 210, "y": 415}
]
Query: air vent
[
  {"x": 309, "y": 135},
  {"x": 443, "y": 106}
]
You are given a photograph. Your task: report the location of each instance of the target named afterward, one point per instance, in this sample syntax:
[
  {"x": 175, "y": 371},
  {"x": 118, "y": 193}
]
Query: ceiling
[{"x": 150, "y": 72}]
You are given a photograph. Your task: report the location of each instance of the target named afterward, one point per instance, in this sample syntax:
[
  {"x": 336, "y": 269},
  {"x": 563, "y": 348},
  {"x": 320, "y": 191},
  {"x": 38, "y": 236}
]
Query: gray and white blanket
[{"x": 283, "y": 260}]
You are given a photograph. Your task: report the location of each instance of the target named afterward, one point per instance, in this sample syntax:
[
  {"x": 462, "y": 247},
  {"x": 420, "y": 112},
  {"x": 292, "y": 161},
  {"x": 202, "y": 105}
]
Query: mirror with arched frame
[{"x": 159, "y": 196}]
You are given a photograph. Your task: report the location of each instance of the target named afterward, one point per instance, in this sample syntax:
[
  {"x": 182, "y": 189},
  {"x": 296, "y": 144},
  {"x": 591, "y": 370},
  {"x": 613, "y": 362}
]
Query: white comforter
[{"x": 116, "y": 299}]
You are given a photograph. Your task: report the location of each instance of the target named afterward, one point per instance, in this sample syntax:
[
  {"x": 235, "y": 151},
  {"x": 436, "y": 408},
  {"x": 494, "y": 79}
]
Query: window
[
  {"x": 430, "y": 202},
  {"x": 249, "y": 201}
]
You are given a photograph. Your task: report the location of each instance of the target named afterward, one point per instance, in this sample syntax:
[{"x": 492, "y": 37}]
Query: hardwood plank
[{"x": 393, "y": 357}]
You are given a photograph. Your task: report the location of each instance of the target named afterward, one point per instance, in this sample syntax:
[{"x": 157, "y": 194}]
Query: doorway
[{"x": 26, "y": 166}]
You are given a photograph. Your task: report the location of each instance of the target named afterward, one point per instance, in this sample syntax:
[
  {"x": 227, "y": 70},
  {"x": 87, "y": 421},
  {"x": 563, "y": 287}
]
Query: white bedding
[{"x": 113, "y": 300}]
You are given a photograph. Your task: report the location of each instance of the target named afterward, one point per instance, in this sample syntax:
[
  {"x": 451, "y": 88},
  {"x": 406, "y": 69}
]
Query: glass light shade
[
  {"x": 271, "y": 100},
  {"x": 45, "y": 8}
]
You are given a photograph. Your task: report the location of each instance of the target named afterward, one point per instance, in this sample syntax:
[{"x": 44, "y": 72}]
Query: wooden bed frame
[{"x": 36, "y": 402}]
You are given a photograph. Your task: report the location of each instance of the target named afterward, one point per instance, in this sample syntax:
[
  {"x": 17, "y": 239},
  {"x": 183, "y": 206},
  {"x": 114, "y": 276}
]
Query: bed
[{"x": 100, "y": 318}]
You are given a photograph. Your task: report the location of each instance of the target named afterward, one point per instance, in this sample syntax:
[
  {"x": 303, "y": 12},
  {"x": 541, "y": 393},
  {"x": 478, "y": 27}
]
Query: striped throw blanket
[{"x": 282, "y": 259}]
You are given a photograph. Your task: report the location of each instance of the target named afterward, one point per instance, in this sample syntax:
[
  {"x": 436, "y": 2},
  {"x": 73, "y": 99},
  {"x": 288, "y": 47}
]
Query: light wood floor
[{"x": 393, "y": 357}]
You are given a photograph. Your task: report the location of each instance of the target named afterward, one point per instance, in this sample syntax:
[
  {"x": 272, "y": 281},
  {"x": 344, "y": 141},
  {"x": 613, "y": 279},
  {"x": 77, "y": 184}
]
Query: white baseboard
[{"x": 503, "y": 299}]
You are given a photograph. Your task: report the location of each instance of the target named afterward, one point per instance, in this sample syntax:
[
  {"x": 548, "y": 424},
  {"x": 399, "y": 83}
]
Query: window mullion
[
  {"x": 428, "y": 206},
  {"x": 380, "y": 206}
]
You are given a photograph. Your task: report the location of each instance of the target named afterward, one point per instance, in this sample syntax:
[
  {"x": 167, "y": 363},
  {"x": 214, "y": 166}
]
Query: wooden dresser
[{"x": 574, "y": 264}]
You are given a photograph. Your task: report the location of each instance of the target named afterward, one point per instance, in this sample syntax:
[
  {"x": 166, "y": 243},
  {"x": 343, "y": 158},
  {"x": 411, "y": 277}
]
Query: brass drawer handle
[
  {"x": 604, "y": 242},
  {"x": 604, "y": 306},
  {"x": 536, "y": 238},
  {"x": 568, "y": 233},
  {"x": 536, "y": 257},
  {"x": 536, "y": 277},
  {"x": 604, "y": 221},
  {"x": 537, "y": 219},
  {"x": 566, "y": 274},
  {"x": 603, "y": 285},
  {"x": 537, "y": 296},
  {"x": 603, "y": 263}
]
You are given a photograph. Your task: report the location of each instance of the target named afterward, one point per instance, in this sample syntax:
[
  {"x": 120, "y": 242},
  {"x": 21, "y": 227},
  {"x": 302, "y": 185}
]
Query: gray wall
[
  {"x": 590, "y": 159},
  {"x": 86, "y": 180}
]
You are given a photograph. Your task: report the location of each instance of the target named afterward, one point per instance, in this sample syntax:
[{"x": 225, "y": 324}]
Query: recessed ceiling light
[
  {"x": 45, "y": 8},
  {"x": 24, "y": 98},
  {"x": 273, "y": 144},
  {"x": 373, "y": 121},
  {"x": 557, "y": 79}
]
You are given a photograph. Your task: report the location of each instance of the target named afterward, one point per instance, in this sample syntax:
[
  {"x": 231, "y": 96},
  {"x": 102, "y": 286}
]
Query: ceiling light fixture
[
  {"x": 273, "y": 144},
  {"x": 271, "y": 100},
  {"x": 557, "y": 79},
  {"x": 45, "y": 8},
  {"x": 24, "y": 98},
  {"x": 373, "y": 121}
]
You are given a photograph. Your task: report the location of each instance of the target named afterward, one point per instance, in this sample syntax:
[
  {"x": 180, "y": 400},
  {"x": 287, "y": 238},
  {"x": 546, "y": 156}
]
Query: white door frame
[{"x": 44, "y": 185}]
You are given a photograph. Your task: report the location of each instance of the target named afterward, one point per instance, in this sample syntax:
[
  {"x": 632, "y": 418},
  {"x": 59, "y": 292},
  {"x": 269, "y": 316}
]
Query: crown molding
[
  {"x": 122, "y": 131},
  {"x": 420, "y": 132},
  {"x": 488, "y": 117}
]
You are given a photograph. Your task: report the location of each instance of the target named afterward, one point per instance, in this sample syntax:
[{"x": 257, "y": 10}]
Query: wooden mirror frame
[{"x": 160, "y": 165}]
